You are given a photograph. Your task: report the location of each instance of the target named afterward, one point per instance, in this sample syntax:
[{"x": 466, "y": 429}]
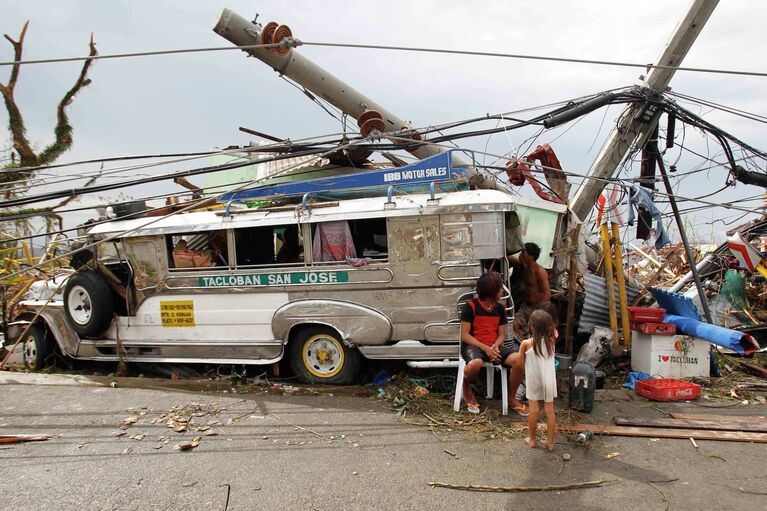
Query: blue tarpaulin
[{"x": 681, "y": 311}]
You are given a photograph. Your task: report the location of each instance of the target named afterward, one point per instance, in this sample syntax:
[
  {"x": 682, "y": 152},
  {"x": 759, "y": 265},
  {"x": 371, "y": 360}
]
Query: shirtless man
[
  {"x": 536, "y": 290},
  {"x": 536, "y": 293}
]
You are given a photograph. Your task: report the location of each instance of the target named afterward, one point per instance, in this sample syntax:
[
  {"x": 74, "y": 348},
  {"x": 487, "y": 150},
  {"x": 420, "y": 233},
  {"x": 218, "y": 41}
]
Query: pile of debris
[{"x": 182, "y": 419}]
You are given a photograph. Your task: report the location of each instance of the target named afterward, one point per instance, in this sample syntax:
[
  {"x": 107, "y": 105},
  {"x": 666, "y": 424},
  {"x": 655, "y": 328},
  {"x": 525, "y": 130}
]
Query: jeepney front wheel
[
  {"x": 319, "y": 355},
  {"x": 36, "y": 347}
]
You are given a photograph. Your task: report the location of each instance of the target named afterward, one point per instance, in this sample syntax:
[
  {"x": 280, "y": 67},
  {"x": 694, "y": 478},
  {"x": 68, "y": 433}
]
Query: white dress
[{"x": 540, "y": 376}]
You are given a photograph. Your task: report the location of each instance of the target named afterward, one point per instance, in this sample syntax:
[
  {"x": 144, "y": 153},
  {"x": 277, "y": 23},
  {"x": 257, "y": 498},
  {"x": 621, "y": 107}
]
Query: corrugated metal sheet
[{"x": 595, "y": 310}]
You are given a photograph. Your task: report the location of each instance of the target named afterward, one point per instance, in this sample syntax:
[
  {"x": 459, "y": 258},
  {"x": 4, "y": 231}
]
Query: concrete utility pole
[
  {"x": 293, "y": 65},
  {"x": 629, "y": 128}
]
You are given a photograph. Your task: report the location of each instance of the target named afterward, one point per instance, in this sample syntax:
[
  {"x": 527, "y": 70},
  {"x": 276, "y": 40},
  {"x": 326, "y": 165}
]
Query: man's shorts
[
  {"x": 469, "y": 352},
  {"x": 522, "y": 316}
]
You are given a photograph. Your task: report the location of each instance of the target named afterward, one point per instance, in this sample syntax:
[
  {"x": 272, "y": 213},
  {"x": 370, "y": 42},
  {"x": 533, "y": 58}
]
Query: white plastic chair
[{"x": 490, "y": 374}]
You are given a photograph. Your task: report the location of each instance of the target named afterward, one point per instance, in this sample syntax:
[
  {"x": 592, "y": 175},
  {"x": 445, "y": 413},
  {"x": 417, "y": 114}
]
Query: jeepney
[{"x": 327, "y": 285}]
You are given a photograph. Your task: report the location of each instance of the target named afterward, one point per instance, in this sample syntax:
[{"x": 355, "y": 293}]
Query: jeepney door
[{"x": 143, "y": 254}]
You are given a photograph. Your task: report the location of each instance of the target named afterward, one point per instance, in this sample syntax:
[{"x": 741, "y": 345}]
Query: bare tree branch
[
  {"x": 15, "y": 119},
  {"x": 63, "y": 129},
  {"x": 18, "y": 46}
]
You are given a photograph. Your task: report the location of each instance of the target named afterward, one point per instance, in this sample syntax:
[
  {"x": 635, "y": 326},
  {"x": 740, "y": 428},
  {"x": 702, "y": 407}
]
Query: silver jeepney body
[{"x": 402, "y": 306}]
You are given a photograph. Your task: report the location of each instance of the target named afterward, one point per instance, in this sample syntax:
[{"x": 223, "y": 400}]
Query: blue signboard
[{"x": 436, "y": 168}]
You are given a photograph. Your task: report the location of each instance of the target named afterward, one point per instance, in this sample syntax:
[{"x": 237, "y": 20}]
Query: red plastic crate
[
  {"x": 667, "y": 389},
  {"x": 654, "y": 328},
  {"x": 646, "y": 314}
]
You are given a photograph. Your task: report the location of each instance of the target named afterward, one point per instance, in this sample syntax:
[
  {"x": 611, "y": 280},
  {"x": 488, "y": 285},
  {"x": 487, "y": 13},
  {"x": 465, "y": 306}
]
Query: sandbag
[{"x": 597, "y": 347}]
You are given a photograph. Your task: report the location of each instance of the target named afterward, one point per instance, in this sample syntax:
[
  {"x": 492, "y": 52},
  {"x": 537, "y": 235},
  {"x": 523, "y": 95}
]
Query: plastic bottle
[{"x": 585, "y": 436}]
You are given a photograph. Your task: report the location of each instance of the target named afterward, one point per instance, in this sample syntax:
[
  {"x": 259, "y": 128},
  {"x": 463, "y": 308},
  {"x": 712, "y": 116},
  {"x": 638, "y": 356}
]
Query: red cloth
[{"x": 333, "y": 242}]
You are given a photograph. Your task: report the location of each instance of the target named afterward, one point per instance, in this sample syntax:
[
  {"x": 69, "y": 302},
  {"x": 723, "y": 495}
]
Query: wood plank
[
  {"x": 750, "y": 419},
  {"x": 759, "y": 427},
  {"x": 683, "y": 434}
]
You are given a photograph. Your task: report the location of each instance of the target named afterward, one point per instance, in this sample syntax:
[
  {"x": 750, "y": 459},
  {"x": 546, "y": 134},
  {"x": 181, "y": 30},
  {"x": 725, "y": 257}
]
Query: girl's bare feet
[
  {"x": 531, "y": 442},
  {"x": 550, "y": 447}
]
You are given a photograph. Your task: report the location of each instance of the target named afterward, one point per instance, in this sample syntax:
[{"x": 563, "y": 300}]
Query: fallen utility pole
[
  {"x": 633, "y": 124},
  {"x": 652, "y": 146},
  {"x": 317, "y": 81}
]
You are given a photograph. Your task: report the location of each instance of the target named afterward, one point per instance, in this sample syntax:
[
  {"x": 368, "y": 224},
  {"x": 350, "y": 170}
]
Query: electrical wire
[
  {"x": 189, "y": 207},
  {"x": 298, "y": 42}
]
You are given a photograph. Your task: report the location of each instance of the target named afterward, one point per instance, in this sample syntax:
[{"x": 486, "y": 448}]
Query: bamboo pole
[
  {"x": 608, "y": 260},
  {"x": 621, "y": 285}
]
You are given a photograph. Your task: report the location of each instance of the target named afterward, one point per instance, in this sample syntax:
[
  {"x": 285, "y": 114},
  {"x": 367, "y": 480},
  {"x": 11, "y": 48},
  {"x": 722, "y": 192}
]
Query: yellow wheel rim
[{"x": 323, "y": 355}]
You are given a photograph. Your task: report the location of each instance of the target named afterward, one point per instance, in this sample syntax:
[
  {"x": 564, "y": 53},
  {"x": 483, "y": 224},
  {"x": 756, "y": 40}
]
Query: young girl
[{"x": 541, "y": 381}]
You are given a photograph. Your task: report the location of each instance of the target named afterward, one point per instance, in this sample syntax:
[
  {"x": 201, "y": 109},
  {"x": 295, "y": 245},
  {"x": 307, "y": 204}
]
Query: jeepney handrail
[{"x": 455, "y": 265}]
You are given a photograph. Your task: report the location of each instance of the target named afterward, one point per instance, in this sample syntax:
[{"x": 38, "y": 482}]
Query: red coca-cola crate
[
  {"x": 646, "y": 314},
  {"x": 654, "y": 328},
  {"x": 667, "y": 389}
]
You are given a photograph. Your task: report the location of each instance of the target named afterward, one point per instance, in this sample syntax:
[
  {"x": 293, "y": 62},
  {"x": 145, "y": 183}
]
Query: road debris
[
  {"x": 17, "y": 439},
  {"x": 510, "y": 489},
  {"x": 186, "y": 446}
]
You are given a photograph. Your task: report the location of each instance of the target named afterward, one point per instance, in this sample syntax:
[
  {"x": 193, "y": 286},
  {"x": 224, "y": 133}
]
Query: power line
[
  {"x": 151, "y": 221},
  {"x": 288, "y": 42},
  {"x": 531, "y": 57},
  {"x": 140, "y": 54}
]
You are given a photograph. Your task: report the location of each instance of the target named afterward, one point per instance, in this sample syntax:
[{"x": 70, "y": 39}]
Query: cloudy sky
[{"x": 196, "y": 102}]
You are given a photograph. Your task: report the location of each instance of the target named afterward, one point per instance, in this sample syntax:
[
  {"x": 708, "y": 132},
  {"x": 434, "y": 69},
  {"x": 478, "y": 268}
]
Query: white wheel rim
[
  {"x": 30, "y": 352},
  {"x": 79, "y": 305},
  {"x": 323, "y": 356}
]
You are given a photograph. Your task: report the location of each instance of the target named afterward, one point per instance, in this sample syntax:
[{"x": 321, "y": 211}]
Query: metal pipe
[
  {"x": 688, "y": 276},
  {"x": 653, "y": 145},
  {"x": 431, "y": 364}
]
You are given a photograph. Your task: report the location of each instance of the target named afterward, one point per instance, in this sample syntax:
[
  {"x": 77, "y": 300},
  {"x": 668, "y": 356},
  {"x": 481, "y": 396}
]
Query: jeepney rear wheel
[
  {"x": 88, "y": 303},
  {"x": 319, "y": 355},
  {"x": 37, "y": 347}
]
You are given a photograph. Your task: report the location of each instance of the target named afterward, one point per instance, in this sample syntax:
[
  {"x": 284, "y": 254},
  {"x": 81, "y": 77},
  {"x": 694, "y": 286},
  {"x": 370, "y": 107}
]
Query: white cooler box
[{"x": 670, "y": 356}]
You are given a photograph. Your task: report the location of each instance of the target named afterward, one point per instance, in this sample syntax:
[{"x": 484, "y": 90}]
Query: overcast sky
[{"x": 196, "y": 102}]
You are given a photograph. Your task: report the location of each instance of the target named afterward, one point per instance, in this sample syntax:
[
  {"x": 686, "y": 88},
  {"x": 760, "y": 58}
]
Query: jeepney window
[
  {"x": 269, "y": 245},
  {"x": 197, "y": 250},
  {"x": 108, "y": 252},
  {"x": 355, "y": 242},
  {"x": 455, "y": 232}
]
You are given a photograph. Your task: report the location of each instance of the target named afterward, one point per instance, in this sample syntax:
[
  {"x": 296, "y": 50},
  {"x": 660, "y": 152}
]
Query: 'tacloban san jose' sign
[{"x": 275, "y": 279}]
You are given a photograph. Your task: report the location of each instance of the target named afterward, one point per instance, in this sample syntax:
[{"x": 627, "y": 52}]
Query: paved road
[{"x": 276, "y": 452}]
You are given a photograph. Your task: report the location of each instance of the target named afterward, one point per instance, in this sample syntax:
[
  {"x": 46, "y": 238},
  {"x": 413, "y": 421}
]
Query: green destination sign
[{"x": 275, "y": 279}]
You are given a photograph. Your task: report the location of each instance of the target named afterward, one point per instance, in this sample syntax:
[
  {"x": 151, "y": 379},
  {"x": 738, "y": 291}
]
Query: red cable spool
[
  {"x": 368, "y": 114},
  {"x": 279, "y": 34},
  {"x": 267, "y": 33},
  {"x": 373, "y": 123}
]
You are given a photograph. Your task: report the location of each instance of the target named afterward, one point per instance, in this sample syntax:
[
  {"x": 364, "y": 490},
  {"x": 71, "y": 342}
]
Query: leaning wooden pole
[{"x": 572, "y": 295}]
